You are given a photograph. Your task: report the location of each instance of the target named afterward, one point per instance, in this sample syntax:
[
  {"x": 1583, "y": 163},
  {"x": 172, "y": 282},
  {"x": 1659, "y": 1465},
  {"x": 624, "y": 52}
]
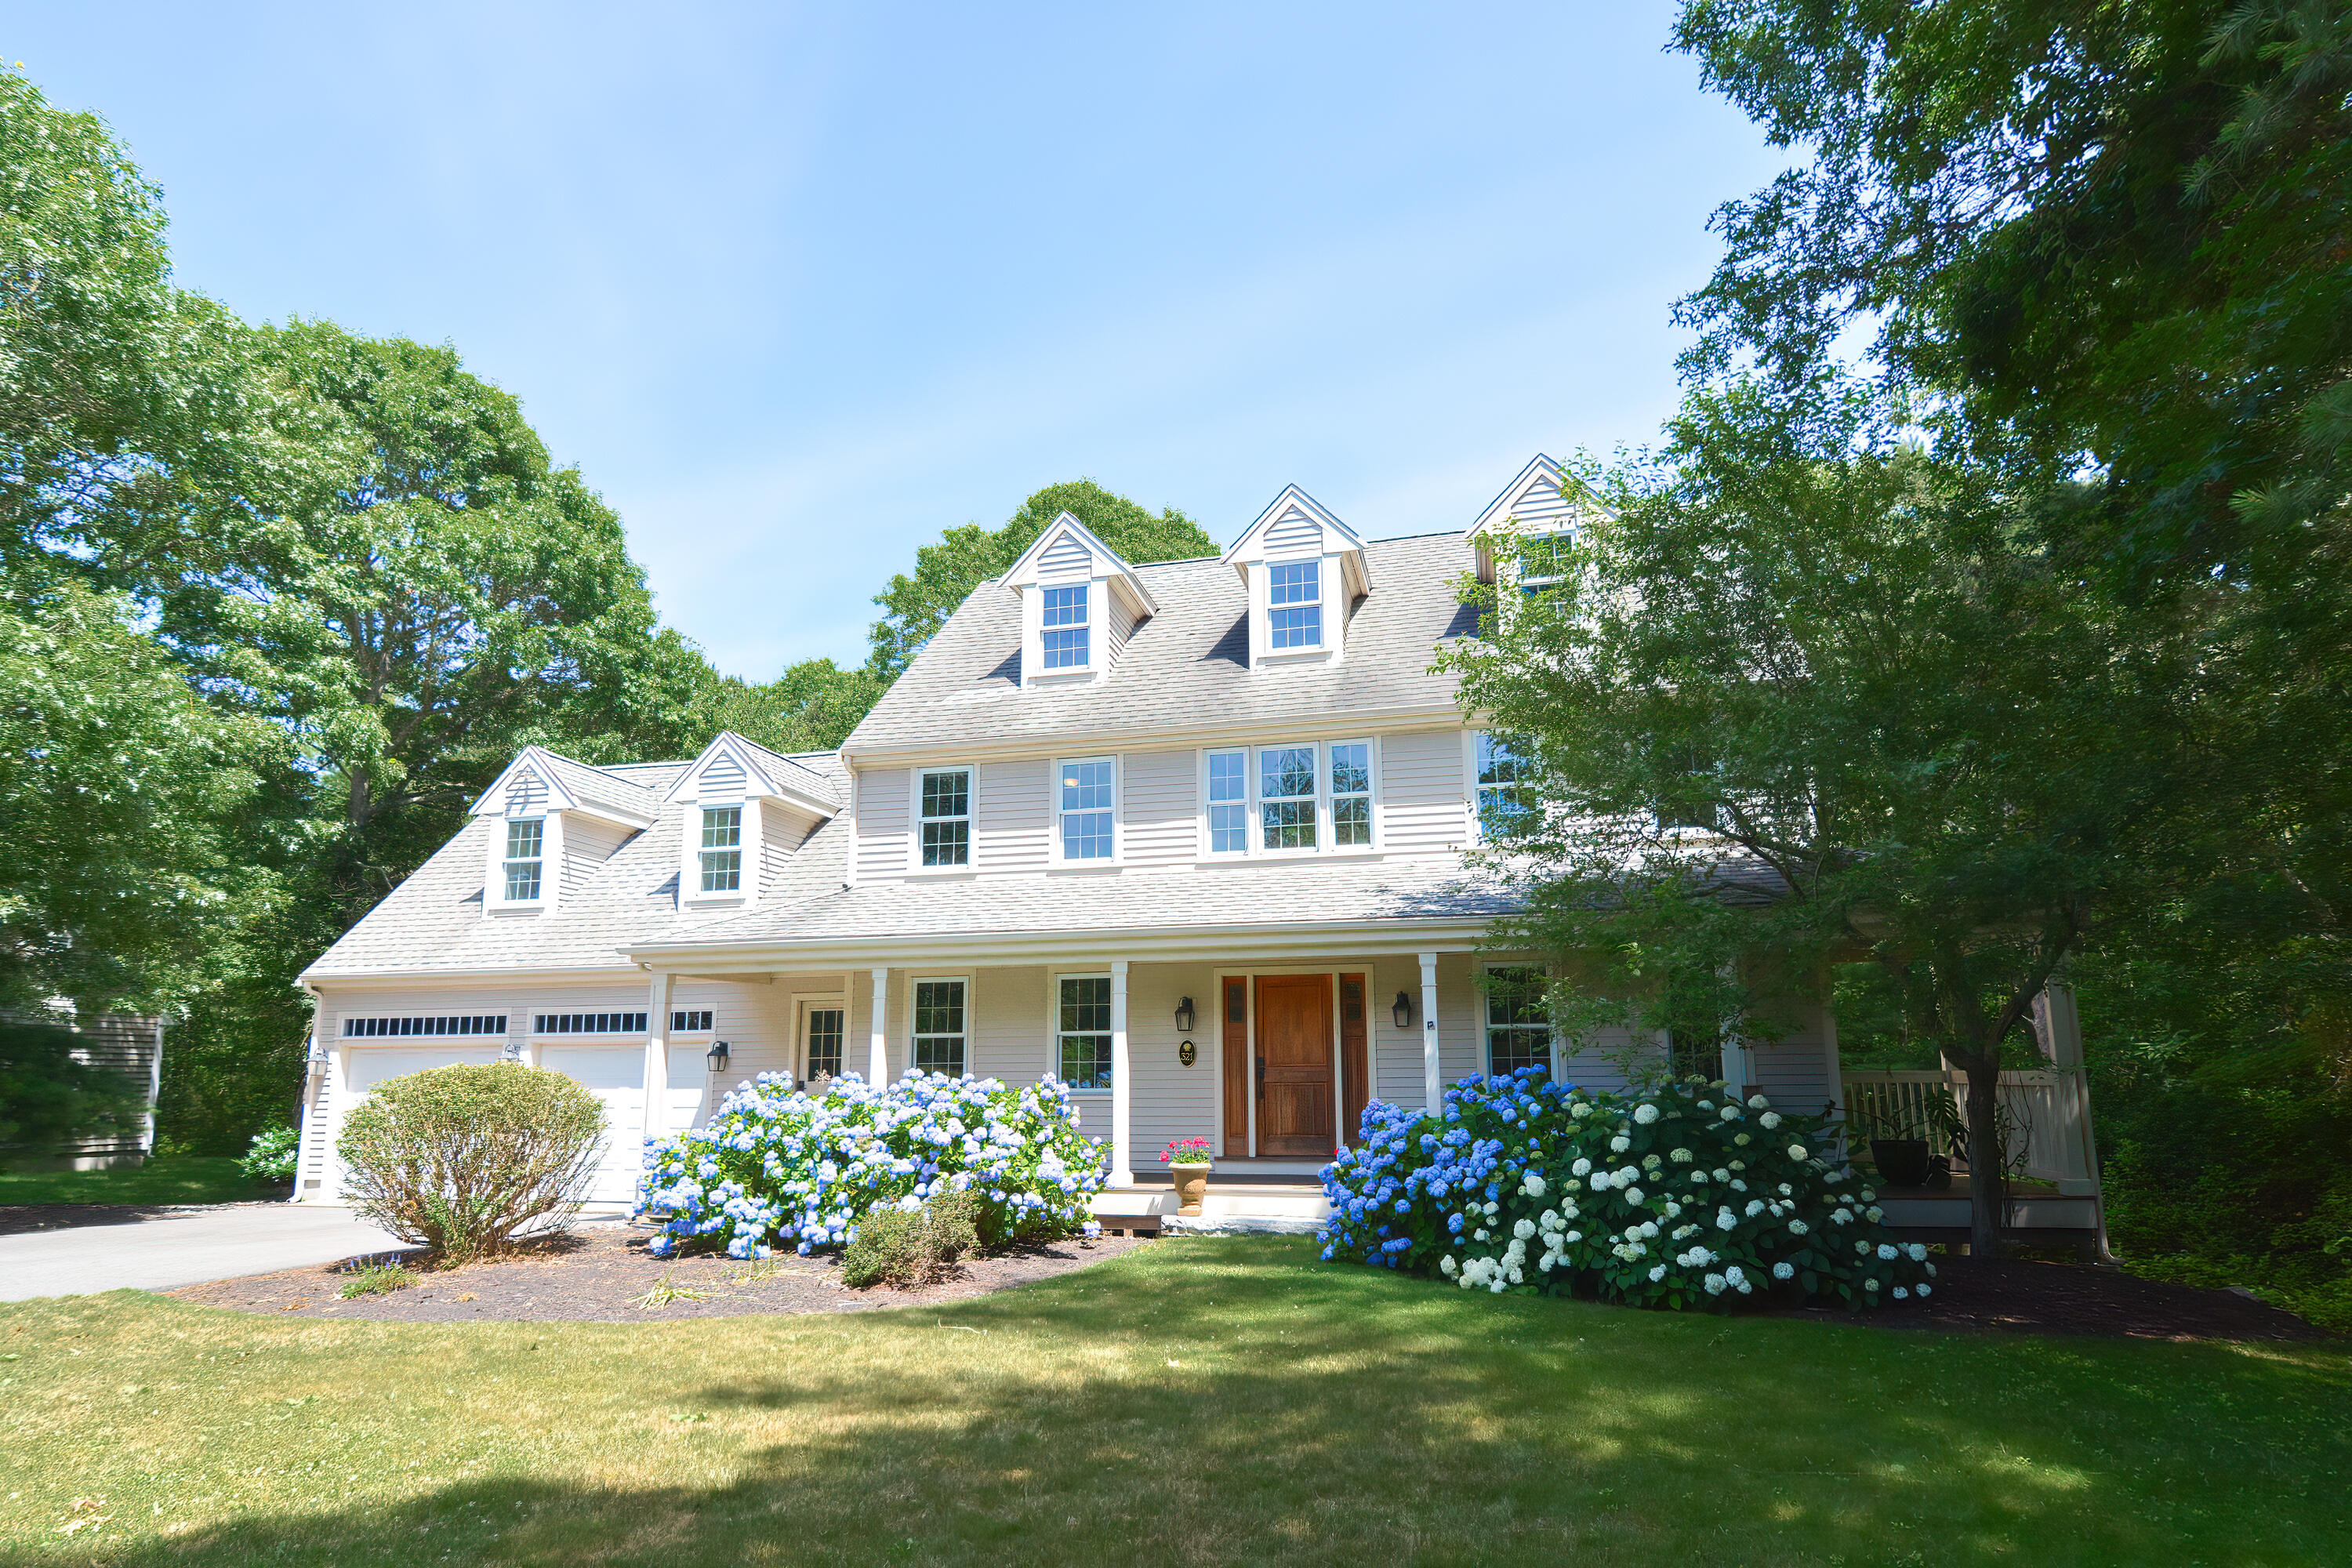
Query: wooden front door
[{"x": 1294, "y": 1065}]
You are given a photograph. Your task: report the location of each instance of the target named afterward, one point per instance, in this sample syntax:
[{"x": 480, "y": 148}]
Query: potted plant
[{"x": 1187, "y": 1160}]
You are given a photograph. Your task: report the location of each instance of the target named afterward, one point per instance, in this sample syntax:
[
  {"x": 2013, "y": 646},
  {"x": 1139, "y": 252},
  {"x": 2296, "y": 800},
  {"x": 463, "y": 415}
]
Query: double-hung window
[
  {"x": 1543, "y": 564},
  {"x": 523, "y": 860},
  {"x": 1351, "y": 793},
  {"x": 1519, "y": 1030},
  {"x": 825, "y": 1028},
  {"x": 1505, "y": 799},
  {"x": 1065, "y": 627},
  {"x": 1083, "y": 793},
  {"x": 722, "y": 848},
  {"x": 1229, "y": 802},
  {"x": 947, "y": 818},
  {"x": 1285, "y": 796},
  {"x": 1082, "y": 1031},
  {"x": 1294, "y": 615},
  {"x": 939, "y": 1026}
]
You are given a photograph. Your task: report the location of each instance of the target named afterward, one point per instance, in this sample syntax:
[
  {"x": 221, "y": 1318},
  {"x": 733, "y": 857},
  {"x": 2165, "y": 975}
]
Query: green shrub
[
  {"x": 49, "y": 1099},
  {"x": 908, "y": 1247},
  {"x": 271, "y": 1158},
  {"x": 377, "y": 1280},
  {"x": 462, "y": 1159}
]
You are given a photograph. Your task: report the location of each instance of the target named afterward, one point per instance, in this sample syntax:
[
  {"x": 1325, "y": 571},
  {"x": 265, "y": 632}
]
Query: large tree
[{"x": 1810, "y": 696}]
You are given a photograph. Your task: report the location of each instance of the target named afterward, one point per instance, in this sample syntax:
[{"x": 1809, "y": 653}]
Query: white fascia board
[
  {"x": 1346, "y": 726},
  {"x": 360, "y": 979},
  {"x": 1249, "y": 547},
  {"x": 1540, "y": 469},
  {"x": 492, "y": 801},
  {"x": 1023, "y": 572},
  {"x": 1256, "y": 943},
  {"x": 763, "y": 780}
]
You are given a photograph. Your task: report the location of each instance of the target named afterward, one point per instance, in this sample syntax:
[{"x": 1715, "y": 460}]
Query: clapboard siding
[
  {"x": 1794, "y": 1071},
  {"x": 1122, "y": 623},
  {"x": 882, "y": 822},
  {"x": 1422, "y": 789},
  {"x": 1294, "y": 533},
  {"x": 1158, "y": 811},
  {"x": 1013, "y": 820},
  {"x": 1066, "y": 561},
  {"x": 131, "y": 1049},
  {"x": 587, "y": 845},
  {"x": 723, "y": 782}
]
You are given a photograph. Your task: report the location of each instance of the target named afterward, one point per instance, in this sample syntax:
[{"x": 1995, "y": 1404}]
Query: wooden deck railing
[{"x": 2046, "y": 1108}]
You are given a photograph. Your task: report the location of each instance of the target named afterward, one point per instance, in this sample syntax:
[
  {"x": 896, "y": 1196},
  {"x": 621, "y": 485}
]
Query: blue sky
[{"x": 797, "y": 288}]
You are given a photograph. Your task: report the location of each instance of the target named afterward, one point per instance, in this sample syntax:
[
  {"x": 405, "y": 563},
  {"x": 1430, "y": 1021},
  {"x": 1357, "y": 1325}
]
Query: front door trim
[{"x": 1332, "y": 967}]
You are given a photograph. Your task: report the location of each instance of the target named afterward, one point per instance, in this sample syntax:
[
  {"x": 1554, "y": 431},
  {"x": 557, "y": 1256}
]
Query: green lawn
[
  {"x": 180, "y": 1179},
  {"x": 1202, "y": 1401}
]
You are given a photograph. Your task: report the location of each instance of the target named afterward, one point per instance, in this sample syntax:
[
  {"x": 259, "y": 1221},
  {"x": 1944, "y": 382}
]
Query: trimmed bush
[
  {"x": 776, "y": 1168},
  {"x": 908, "y": 1247},
  {"x": 1681, "y": 1198},
  {"x": 271, "y": 1157},
  {"x": 461, "y": 1159}
]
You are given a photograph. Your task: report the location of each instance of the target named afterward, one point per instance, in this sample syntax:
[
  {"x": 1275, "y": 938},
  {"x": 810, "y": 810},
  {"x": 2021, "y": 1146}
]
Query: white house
[{"x": 1190, "y": 835}]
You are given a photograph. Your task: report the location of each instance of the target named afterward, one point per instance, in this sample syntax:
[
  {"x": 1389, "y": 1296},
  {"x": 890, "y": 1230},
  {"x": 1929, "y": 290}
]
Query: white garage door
[
  {"x": 617, "y": 1076},
  {"x": 370, "y": 1065}
]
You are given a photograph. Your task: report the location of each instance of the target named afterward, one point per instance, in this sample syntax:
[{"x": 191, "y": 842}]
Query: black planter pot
[{"x": 1902, "y": 1162}]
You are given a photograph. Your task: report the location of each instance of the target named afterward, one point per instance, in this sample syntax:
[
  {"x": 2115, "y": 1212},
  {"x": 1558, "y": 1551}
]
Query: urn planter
[{"x": 1191, "y": 1183}]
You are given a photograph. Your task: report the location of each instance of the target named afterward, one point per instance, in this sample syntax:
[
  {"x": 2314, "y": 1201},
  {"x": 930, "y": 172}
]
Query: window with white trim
[
  {"x": 1351, "y": 793},
  {"x": 430, "y": 1029},
  {"x": 692, "y": 1021},
  {"x": 938, "y": 1033},
  {"x": 1285, "y": 796},
  {"x": 947, "y": 816},
  {"x": 1505, "y": 797},
  {"x": 588, "y": 1024},
  {"x": 1064, "y": 626},
  {"x": 1082, "y": 1031},
  {"x": 1229, "y": 802},
  {"x": 826, "y": 1026},
  {"x": 1083, "y": 793},
  {"x": 1543, "y": 562},
  {"x": 526, "y": 835},
  {"x": 722, "y": 849},
  {"x": 1294, "y": 597},
  {"x": 1518, "y": 1028}
]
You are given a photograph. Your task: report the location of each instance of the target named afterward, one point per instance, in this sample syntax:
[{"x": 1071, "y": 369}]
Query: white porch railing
[{"x": 2048, "y": 1108}]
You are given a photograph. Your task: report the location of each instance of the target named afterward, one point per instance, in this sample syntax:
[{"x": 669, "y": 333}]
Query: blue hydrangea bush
[
  {"x": 774, "y": 1167},
  {"x": 1680, "y": 1198}
]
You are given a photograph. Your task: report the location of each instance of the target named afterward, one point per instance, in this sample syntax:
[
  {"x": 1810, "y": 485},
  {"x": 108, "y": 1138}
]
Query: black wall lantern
[
  {"x": 1403, "y": 1011},
  {"x": 1184, "y": 1017},
  {"x": 717, "y": 1056}
]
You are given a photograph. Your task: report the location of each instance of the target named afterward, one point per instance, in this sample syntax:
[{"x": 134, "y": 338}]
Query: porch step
[{"x": 1259, "y": 1206}]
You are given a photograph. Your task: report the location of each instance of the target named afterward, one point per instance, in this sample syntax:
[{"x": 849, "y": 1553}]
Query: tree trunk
[{"x": 1987, "y": 1182}]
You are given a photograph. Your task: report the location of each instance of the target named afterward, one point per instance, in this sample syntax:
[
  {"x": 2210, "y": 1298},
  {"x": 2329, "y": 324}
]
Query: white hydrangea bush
[
  {"x": 1685, "y": 1197},
  {"x": 776, "y": 1167}
]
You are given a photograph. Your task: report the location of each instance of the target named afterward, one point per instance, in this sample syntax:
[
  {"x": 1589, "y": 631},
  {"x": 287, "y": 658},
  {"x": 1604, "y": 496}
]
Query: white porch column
[
  {"x": 1432, "y": 1092},
  {"x": 2058, "y": 1029},
  {"x": 656, "y": 1122},
  {"x": 1123, "y": 1084},
  {"x": 877, "y": 1058}
]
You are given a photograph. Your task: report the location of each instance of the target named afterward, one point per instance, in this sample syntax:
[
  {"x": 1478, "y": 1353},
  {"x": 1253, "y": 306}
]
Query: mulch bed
[
  {"x": 602, "y": 1273},
  {"x": 2076, "y": 1299}
]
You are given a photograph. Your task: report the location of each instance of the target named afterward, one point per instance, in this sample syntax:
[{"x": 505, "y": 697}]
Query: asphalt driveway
[{"x": 181, "y": 1247}]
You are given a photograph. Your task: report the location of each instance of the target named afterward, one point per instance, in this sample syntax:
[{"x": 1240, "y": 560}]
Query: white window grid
[
  {"x": 1294, "y": 597},
  {"x": 1540, "y": 566},
  {"x": 387, "y": 1028},
  {"x": 1503, "y": 778},
  {"x": 1082, "y": 1055},
  {"x": 939, "y": 1018},
  {"x": 1064, "y": 626},
  {"x": 1289, "y": 799},
  {"x": 1517, "y": 1026},
  {"x": 827, "y": 1028},
  {"x": 588, "y": 1024},
  {"x": 690, "y": 1021},
  {"x": 943, "y": 806},
  {"x": 721, "y": 855},
  {"x": 525, "y": 860},
  {"x": 1085, "y": 810}
]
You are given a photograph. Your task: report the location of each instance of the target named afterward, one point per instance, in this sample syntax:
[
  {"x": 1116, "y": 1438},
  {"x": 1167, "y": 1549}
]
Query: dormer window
[
  {"x": 1294, "y": 603},
  {"x": 525, "y": 839},
  {"x": 1065, "y": 627},
  {"x": 1542, "y": 562},
  {"x": 722, "y": 849}
]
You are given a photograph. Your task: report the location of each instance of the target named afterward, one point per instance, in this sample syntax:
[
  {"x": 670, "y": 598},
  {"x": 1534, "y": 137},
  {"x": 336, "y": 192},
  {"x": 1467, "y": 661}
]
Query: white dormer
[
  {"x": 1079, "y": 603},
  {"x": 1304, "y": 570},
  {"x": 546, "y": 814},
  {"x": 1515, "y": 535},
  {"x": 745, "y": 807}
]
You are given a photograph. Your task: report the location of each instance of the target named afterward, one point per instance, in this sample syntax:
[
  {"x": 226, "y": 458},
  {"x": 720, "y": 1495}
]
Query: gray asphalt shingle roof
[{"x": 1187, "y": 666}]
